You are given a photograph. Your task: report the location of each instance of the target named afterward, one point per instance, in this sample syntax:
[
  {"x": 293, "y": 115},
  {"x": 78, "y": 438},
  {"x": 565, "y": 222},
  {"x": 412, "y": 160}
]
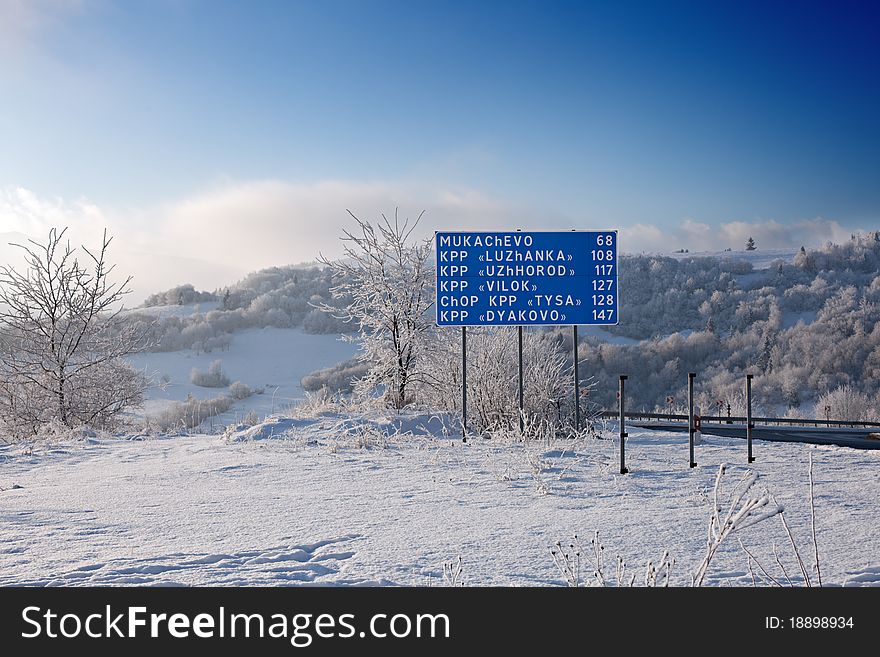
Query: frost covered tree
[
  {"x": 750, "y": 244},
  {"x": 386, "y": 280},
  {"x": 62, "y": 339},
  {"x": 845, "y": 403}
]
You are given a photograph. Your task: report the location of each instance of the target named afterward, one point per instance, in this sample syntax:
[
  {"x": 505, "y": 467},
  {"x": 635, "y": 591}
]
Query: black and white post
[
  {"x": 691, "y": 376},
  {"x": 749, "y": 425},
  {"x": 623, "y": 433}
]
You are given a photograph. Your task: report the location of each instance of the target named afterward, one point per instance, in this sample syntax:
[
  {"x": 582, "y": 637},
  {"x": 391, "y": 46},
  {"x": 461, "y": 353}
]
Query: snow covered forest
[
  {"x": 805, "y": 327},
  {"x": 280, "y": 297},
  {"x": 805, "y": 324}
]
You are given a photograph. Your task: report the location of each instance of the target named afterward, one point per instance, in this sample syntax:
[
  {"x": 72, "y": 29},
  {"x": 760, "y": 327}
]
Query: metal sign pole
[
  {"x": 464, "y": 384},
  {"x": 521, "y": 423},
  {"x": 623, "y": 433},
  {"x": 691, "y": 376},
  {"x": 749, "y": 425},
  {"x": 577, "y": 384}
]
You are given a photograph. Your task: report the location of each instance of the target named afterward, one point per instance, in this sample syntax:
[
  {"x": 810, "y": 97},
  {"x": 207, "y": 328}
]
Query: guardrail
[{"x": 736, "y": 419}]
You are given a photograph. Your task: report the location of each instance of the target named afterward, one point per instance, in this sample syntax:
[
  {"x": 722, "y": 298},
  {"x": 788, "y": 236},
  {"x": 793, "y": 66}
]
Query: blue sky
[{"x": 654, "y": 117}]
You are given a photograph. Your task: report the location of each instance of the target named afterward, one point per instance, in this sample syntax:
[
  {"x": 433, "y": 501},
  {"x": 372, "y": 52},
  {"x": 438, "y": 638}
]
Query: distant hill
[{"x": 804, "y": 322}]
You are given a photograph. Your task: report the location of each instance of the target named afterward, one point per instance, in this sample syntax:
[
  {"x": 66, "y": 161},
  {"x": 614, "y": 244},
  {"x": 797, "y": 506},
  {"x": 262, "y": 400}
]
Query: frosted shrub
[
  {"x": 215, "y": 377},
  {"x": 493, "y": 394},
  {"x": 845, "y": 403},
  {"x": 339, "y": 378},
  {"x": 189, "y": 414},
  {"x": 317, "y": 402},
  {"x": 239, "y": 391},
  {"x": 219, "y": 342}
]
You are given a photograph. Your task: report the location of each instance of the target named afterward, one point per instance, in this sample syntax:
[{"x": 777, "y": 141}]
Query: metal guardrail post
[
  {"x": 749, "y": 424},
  {"x": 691, "y": 376},
  {"x": 623, "y": 433}
]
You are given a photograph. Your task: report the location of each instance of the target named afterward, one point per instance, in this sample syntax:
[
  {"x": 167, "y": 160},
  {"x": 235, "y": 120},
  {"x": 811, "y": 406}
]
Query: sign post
[
  {"x": 577, "y": 384},
  {"x": 691, "y": 376},
  {"x": 464, "y": 384},
  {"x": 551, "y": 278},
  {"x": 519, "y": 330}
]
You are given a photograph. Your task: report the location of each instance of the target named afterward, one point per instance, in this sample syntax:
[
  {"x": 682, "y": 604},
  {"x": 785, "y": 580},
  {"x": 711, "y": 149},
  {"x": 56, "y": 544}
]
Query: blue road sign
[{"x": 526, "y": 279}]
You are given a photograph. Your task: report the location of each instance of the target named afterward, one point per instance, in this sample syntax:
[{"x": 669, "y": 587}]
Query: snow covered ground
[
  {"x": 271, "y": 359},
  {"x": 377, "y": 499},
  {"x": 760, "y": 258}
]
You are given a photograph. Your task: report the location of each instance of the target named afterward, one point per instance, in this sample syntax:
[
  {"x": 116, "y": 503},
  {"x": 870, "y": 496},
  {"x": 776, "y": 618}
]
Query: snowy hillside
[
  {"x": 350, "y": 500},
  {"x": 271, "y": 361},
  {"x": 758, "y": 259}
]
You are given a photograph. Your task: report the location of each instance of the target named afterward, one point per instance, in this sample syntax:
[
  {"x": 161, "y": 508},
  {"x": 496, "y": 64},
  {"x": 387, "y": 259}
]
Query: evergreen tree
[
  {"x": 750, "y": 244},
  {"x": 765, "y": 360}
]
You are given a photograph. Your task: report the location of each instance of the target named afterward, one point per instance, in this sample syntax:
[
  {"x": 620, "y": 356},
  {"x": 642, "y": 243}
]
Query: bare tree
[
  {"x": 386, "y": 280},
  {"x": 62, "y": 339}
]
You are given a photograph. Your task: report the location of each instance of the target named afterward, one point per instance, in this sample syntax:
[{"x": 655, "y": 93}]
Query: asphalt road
[{"x": 845, "y": 437}]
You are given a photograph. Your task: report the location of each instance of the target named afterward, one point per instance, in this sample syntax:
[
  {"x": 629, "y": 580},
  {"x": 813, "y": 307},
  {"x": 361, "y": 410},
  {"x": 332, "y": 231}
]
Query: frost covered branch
[{"x": 742, "y": 511}]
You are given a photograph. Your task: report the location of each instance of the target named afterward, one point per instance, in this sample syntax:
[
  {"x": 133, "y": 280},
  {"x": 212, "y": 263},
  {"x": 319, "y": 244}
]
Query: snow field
[
  {"x": 382, "y": 499},
  {"x": 272, "y": 359}
]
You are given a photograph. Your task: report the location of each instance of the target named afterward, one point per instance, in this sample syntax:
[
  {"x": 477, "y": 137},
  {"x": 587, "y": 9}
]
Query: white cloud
[
  {"x": 274, "y": 222},
  {"x": 215, "y": 237},
  {"x": 23, "y": 211},
  {"x": 641, "y": 237},
  {"x": 700, "y": 236}
]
